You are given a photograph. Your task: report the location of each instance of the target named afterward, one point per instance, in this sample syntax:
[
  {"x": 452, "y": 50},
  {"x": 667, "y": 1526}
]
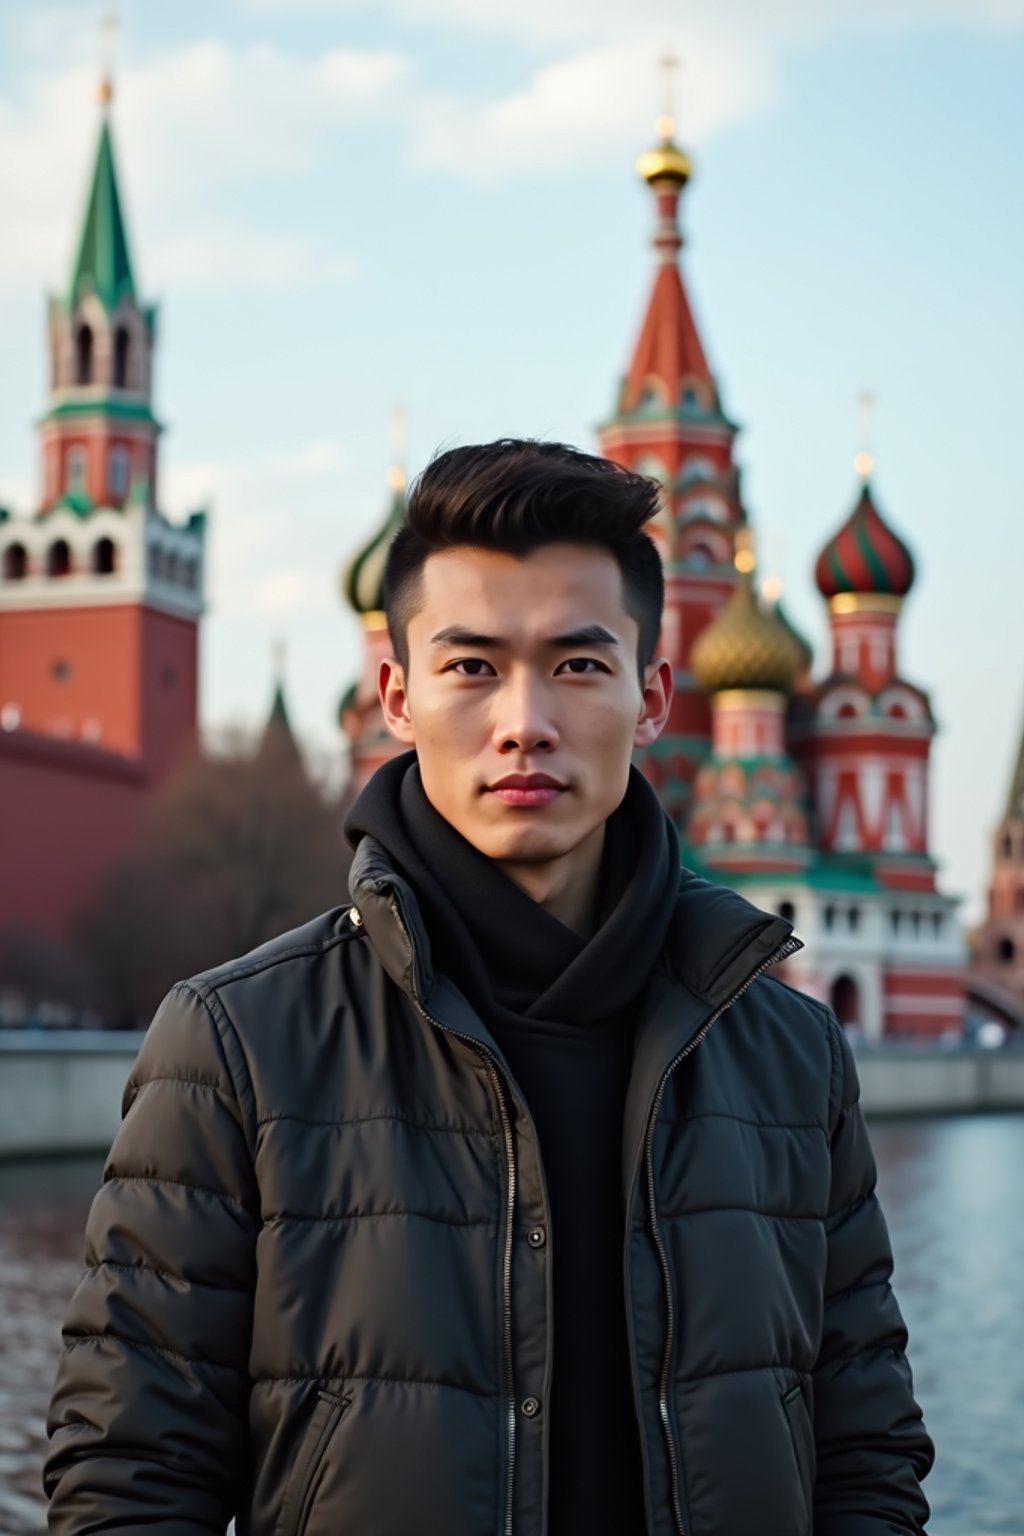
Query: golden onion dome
[
  {"x": 362, "y": 581},
  {"x": 746, "y": 647},
  {"x": 666, "y": 161}
]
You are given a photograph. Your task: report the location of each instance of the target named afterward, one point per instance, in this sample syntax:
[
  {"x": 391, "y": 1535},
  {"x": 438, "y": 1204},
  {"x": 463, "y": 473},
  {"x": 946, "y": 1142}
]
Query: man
[{"x": 516, "y": 1197}]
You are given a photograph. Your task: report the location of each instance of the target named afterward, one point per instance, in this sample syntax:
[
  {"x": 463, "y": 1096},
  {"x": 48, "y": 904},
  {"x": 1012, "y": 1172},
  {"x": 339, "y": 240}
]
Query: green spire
[
  {"x": 102, "y": 262},
  {"x": 278, "y": 737}
]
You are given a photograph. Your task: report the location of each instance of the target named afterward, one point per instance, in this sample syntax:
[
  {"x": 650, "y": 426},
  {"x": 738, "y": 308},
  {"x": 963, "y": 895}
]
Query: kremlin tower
[
  {"x": 100, "y": 593},
  {"x": 998, "y": 951}
]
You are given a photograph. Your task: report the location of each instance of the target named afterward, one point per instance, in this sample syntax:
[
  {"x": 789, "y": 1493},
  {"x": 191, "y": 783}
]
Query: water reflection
[
  {"x": 951, "y": 1190},
  {"x": 952, "y": 1196}
]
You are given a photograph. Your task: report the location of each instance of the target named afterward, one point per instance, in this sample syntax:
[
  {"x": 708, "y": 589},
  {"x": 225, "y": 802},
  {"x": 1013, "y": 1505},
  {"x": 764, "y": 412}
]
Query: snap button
[
  {"x": 355, "y": 917},
  {"x": 536, "y": 1237},
  {"x": 531, "y": 1407}
]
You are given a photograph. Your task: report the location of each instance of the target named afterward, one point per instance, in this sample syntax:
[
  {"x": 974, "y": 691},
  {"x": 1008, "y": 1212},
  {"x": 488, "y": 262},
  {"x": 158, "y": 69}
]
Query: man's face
[{"x": 522, "y": 696}]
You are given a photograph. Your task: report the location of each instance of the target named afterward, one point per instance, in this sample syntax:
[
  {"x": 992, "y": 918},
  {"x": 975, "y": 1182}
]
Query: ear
[
  {"x": 657, "y": 700},
  {"x": 394, "y": 700}
]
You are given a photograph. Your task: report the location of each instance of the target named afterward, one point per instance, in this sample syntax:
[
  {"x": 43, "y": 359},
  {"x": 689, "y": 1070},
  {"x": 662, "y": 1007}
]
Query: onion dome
[
  {"x": 666, "y": 161},
  {"x": 773, "y": 604},
  {"x": 746, "y": 647},
  {"x": 865, "y": 556},
  {"x": 362, "y": 582}
]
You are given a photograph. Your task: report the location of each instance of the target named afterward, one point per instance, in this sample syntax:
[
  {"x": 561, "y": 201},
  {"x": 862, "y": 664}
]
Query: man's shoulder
[{"x": 296, "y": 948}]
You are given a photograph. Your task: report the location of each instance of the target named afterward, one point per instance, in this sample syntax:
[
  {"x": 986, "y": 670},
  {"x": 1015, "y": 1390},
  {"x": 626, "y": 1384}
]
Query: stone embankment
[{"x": 60, "y": 1093}]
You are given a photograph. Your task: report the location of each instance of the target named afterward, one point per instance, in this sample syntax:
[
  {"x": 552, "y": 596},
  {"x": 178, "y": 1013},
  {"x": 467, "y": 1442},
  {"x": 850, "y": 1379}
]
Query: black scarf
[{"x": 499, "y": 945}]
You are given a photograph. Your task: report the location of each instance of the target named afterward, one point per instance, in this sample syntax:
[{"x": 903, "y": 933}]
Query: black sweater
[{"x": 562, "y": 1009}]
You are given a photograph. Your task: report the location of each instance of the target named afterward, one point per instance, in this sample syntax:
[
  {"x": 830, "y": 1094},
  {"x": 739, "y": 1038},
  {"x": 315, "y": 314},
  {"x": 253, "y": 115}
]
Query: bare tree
[{"x": 235, "y": 850}]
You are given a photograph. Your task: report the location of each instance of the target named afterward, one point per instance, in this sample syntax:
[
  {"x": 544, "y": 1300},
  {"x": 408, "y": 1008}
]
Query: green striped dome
[{"x": 362, "y": 582}]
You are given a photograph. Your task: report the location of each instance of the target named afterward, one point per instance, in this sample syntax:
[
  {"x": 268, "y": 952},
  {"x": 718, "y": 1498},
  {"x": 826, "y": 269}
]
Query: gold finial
[
  {"x": 864, "y": 462},
  {"x": 743, "y": 559},
  {"x": 665, "y": 125},
  {"x": 399, "y": 447},
  {"x": 666, "y": 162},
  {"x": 108, "y": 36}
]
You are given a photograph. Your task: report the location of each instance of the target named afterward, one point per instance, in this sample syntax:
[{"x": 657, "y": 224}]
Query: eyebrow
[{"x": 588, "y": 634}]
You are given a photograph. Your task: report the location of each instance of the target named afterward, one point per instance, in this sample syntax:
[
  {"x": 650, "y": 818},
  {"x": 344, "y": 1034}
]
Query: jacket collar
[{"x": 716, "y": 941}]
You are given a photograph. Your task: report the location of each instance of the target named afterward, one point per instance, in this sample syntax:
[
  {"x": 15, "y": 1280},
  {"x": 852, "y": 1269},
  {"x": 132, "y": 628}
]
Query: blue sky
[{"x": 345, "y": 206}]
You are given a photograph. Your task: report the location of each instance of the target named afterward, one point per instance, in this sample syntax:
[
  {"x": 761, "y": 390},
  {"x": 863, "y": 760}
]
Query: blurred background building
[
  {"x": 807, "y": 787},
  {"x": 100, "y": 595},
  {"x": 810, "y": 793}
]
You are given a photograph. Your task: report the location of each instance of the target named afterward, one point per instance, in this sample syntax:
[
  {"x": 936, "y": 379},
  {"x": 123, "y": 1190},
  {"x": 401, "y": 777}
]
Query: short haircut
[{"x": 514, "y": 496}]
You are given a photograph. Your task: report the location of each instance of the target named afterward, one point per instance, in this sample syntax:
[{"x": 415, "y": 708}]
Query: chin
[{"x": 527, "y": 844}]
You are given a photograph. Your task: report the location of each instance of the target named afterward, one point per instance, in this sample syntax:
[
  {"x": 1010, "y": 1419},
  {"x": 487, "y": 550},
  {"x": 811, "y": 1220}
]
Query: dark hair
[{"x": 514, "y": 496}]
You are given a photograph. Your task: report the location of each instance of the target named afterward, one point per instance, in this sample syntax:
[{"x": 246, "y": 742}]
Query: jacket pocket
[
  {"x": 300, "y": 1490},
  {"x": 801, "y": 1433}
]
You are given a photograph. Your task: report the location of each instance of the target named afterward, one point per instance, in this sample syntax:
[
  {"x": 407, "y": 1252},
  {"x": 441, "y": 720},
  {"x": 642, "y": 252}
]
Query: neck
[{"x": 566, "y": 887}]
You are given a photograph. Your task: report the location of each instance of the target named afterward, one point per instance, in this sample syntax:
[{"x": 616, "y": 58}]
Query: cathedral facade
[{"x": 807, "y": 789}]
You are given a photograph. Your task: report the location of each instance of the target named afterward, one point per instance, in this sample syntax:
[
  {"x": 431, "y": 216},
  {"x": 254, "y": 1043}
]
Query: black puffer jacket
[{"x": 318, "y": 1294}]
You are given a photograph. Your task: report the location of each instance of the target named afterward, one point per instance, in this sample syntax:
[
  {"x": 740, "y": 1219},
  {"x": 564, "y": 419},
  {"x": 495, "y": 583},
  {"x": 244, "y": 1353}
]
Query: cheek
[{"x": 442, "y": 715}]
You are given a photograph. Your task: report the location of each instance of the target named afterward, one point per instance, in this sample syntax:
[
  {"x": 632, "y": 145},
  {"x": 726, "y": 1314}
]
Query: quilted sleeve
[
  {"x": 872, "y": 1448},
  {"x": 148, "y": 1417}
]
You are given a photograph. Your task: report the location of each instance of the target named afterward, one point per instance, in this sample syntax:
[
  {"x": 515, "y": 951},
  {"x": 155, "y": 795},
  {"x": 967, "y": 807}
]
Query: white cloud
[
  {"x": 560, "y": 22},
  {"x": 580, "y": 110},
  {"x": 268, "y": 518}
]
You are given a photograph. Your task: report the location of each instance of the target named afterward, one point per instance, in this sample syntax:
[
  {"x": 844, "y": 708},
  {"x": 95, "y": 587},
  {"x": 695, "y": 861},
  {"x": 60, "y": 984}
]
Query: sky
[{"x": 344, "y": 207}]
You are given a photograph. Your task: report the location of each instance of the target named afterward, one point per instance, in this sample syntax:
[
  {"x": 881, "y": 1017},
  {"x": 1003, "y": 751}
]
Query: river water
[{"x": 952, "y": 1190}]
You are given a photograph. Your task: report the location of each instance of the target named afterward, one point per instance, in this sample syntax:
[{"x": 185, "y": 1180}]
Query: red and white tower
[
  {"x": 100, "y": 593},
  {"x": 887, "y": 950},
  {"x": 669, "y": 423}
]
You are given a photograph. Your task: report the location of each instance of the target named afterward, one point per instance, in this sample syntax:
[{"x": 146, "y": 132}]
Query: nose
[{"x": 523, "y": 721}]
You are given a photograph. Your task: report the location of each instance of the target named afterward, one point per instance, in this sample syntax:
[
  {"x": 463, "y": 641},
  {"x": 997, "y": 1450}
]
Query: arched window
[
  {"x": 829, "y": 917},
  {"x": 846, "y": 712},
  {"x": 853, "y": 919},
  {"x": 15, "y": 562},
  {"x": 698, "y": 555},
  {"x": 104, "y": 557},
  {"x": 1006, "y": 950},
  {"x": 122, "y": 351},
  {"x": 846, "y": 1000},
  {"x": 894, "y": 920},
  {"x": 58, "y": 558},
  {"x": 171, "y": 567},
  {"x": 83, "y": 355},
  {"x": 77, "y": 467},
  {"x": 118, "y": 466}
]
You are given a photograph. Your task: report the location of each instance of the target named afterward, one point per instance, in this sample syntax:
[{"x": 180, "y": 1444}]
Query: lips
[{"x": 528, "y": 789}]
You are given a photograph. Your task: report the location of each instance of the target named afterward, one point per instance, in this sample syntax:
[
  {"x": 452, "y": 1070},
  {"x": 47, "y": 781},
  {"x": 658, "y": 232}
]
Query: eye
[
  {"x": 473, "y": 667},
  {"x": 581, "y": 666}
]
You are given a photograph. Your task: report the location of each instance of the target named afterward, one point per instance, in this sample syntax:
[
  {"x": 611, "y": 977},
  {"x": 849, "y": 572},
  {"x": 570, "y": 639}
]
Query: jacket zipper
[
  {"x": 788, "y": 948},
  {"x": 506, "y": 1126}
]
